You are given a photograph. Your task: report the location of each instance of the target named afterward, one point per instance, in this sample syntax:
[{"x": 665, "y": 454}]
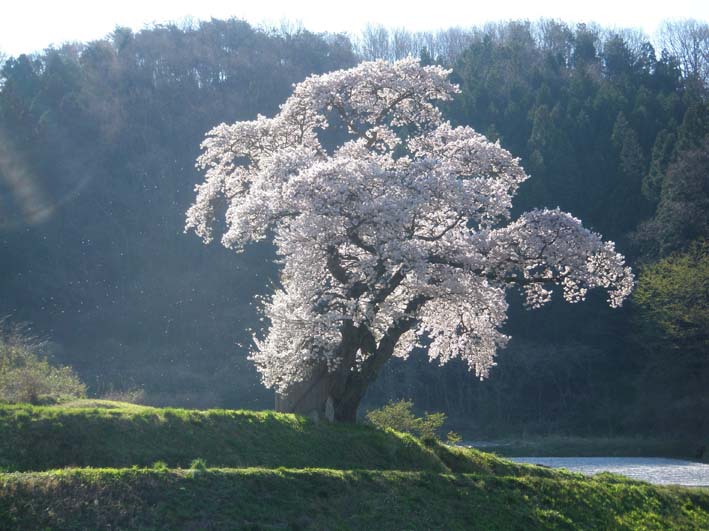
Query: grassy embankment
[{"x": 268, "y": 470}]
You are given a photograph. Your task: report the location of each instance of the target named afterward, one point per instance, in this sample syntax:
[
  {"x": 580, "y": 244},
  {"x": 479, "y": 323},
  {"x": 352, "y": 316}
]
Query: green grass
[
  {"x": 182, "y": 469},
  {"x": 259, "y": 498},
  {"x": 44, "y": 437},
  {"x": 91, "y": 403}
]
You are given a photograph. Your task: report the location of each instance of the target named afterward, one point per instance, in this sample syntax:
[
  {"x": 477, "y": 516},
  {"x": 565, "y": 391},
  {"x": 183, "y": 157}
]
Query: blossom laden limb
[{"x": 401, "y": 233}]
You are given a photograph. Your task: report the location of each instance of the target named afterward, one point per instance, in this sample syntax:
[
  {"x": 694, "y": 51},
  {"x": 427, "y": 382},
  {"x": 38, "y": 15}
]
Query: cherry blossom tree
[{"x": 400, "y": 236}]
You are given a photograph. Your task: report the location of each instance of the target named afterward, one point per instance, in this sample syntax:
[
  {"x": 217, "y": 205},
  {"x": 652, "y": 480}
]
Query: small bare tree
[{"x": 688, "y": 41}]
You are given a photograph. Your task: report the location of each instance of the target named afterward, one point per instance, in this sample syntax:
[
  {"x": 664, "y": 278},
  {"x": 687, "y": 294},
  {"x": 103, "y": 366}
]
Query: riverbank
[
  {"x": 563, "y": 446},
  {"x": 655, "y": 470}
]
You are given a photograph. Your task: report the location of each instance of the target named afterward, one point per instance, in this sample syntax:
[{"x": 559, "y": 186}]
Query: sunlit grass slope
[
  {"x": 273, "y": 471},
  {"x": 259, "y": 498},
  {"x": 110, "y": 434}
]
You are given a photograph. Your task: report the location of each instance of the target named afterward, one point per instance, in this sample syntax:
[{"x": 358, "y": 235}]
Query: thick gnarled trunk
[
  {"x": 335, "y": 396},
  {"x": 323, "y": 397}
]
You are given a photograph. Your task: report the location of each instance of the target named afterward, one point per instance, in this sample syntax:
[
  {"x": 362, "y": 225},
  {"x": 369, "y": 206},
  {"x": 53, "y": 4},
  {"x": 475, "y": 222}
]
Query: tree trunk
[
  {"x": 345, "y": 408},
  {"x": 311, "y": 398},
  {"x": 335, "y": 396}
]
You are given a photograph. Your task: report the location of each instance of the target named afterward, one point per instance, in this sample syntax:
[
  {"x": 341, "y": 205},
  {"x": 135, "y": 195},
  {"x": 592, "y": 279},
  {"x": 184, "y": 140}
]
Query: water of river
[{"x": 657, "y": 470}]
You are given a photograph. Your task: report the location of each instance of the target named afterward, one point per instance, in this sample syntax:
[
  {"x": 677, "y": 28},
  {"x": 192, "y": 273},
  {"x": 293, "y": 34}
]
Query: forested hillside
[{"x": 97, "y": 150}]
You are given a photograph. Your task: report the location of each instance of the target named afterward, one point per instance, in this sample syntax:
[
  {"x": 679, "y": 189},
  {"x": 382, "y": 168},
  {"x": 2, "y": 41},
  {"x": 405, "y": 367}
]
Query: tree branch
[
  {"x": 357, "y": 240},
  {"x": 385, "y": 348},
  {"x": 391, "y": 285},
  {"x": 490, "y": 275},
  {"x": 442, "y": 233},
  {"x": 334, "y": 266}
]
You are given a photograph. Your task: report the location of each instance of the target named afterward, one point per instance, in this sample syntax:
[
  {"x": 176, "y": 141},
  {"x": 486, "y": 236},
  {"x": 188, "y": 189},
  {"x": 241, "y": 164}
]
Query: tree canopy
[{"x": 400, "y": 234}]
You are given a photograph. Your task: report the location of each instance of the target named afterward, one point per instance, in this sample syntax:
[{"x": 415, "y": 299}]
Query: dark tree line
[
  {"x": 98, "y": 145},
  {"x": 97, "y": 149},
  {"x": 614, "y": 131}
]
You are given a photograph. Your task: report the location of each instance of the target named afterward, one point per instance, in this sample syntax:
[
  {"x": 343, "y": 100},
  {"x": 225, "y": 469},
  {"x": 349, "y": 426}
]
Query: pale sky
[{"x": 29, "y": 26}]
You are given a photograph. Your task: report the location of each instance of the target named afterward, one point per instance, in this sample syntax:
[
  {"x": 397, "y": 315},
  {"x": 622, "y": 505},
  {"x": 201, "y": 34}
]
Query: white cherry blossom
[{"x": 397, "y": 237}]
